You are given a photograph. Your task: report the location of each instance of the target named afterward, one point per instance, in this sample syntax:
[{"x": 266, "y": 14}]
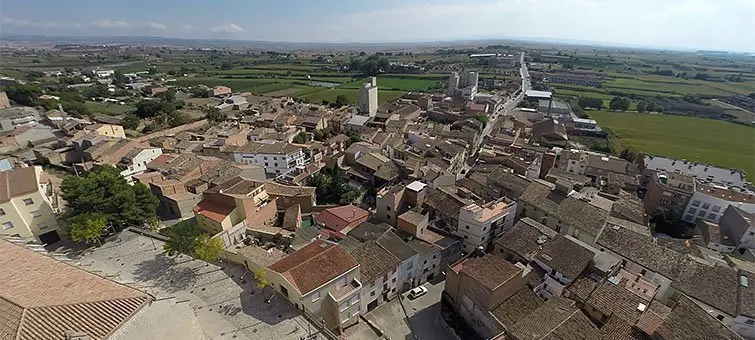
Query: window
[
  {"x": 276, "y": 165},
  {"x": 484, "y": 228},
  {"x": 267, "y": 164},
  {"x": 344, "y": 306},
  {"x": 28, "y": 201},
  {"x": 466, "y": 237},
  {"x": 720, "y": 317},
  {"x": 2, "y": 212},
  {"x": 693, "y": 211},
  {"x": 467, "y": 227},
  {"x": 388, "y": 216},
  {"x": 435, "y": 256},
  {"x": 716, "y": 208},
  {"x": 388, "y": 208},
  {"x": 372, "y": 293},
  {"x": 36, "y": 213},
  {"x": 354, "y": 300},
  {"x": 696, "y": 203},
  {"x": 265, "y": 157},
  {"x": 7, "y": 225},
  {"x": 341, "y": 282},
  {"x": 394, "y": 280},
  {"x": 711, "y": 216},
  {"x": 42, "y": 226},
  {"x": 315, "y": 296},
  {"x": 425, "y": 262},
  {"x": 701, "y": 213},
  {"x": 750, "y": 322},
  {"x": 688, "y": 218},
  {"x": 706, "y": 206}
]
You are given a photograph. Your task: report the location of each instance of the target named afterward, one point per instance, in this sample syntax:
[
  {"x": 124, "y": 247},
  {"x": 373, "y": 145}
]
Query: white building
[
  {"x": 464, "y": 85},
  {"x": 379, "y": 274},
  {"x": 103, "y": 73},
  {"x": 368, "y": 97},
  {"x": 480, "y": 225},
  {"x": 709, "y": 202},
  {"x": 277, "y": 157},
  {"x": 135, "y": 162},
  {"x": 453, "y": 83}
]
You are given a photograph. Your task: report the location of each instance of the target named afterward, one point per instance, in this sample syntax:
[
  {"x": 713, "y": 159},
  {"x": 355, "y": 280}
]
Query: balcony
[{"x": 346, "y": 291}]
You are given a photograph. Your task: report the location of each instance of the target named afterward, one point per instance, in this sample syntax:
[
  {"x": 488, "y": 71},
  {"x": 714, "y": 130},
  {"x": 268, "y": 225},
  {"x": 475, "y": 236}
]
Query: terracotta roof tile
[
  {"x": 213, "y": 210},
  {"x": 688, "y": 321},
  {"x": 42, "y": 297},
  {"x": 517, "y": 307},
  {"x": 374, "y": 261},
  {"x": 17, "y": 182},
  {"x": 339, "y": 217},
  {"x": 490, "y": 270},
  {"x": 314, "y": 265}
]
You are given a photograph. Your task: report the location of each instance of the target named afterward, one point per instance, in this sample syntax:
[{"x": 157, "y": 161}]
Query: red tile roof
[
  {"x": 40, "y": 298},
  {"x": 213, "y": 210},
  {"x": 314, "y": 265},
  {"x": 339, "y": 217}
]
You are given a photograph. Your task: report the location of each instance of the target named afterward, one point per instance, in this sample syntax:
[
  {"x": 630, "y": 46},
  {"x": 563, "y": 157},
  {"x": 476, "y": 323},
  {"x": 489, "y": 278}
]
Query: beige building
[
  {"x": 233, "y": 207},
  {"x": 26, "y": 209},
  {"x": 109, "y": 130},
  {"x": 322, "y": 280}
]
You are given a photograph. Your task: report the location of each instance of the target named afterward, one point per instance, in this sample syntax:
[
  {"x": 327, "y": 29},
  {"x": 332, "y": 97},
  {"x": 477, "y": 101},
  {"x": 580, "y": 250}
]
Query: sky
[{"x": 687, "y": 24}]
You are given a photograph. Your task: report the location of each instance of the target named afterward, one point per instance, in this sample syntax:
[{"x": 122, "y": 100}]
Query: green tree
[
  {"x": 619, "y": 103},
  {"x": 355, "y": 137},
  {"x": 88, "y": 227},
  {"x": 301, "y": 138},
  {"x": 182, "y": 238},
  {"x": 261, "y": 278},
  {"x": 207, "y": 248},
  {"x": 200, "y": 92},
  {"x": 627, "y": 154},
  {"x": 214, "y": 115},
  {"x": 147, "y": 108},
  {"x": 106, "y": 192},
  {"x": 177, "y": 118},
  {"x": 483, "y": 119},
  {"x": 342, "y": 100},
  {"x": 641, "y": 106},
  {"x": 131, "y": 121},
  {"x": 26, "y": 95}
]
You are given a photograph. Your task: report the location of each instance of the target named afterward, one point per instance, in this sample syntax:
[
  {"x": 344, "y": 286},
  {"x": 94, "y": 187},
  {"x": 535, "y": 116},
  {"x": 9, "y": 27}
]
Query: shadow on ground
[{"x": 164, "y": 273}]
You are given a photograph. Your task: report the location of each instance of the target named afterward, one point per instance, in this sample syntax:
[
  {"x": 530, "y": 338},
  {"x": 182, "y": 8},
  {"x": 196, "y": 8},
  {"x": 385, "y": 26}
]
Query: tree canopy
[
  {"x": 105, "y": 193},
  {"x": 331, "y": 188},
  {"x": 590, "y": 102},
  {"x": 301, "y": 138},
  {"x": 342, "y": 100},
  {"x": 619, "y": 103},
  {"x": 88, "y": 227},
  {"x": 185, "y": 238}
]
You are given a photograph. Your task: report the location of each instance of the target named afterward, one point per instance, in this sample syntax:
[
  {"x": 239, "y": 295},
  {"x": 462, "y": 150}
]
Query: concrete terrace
[{"x": 224, "y": 298}]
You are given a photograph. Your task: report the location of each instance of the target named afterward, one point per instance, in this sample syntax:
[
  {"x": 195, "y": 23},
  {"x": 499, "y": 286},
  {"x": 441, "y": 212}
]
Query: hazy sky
[{"x": 708, "y": 24}]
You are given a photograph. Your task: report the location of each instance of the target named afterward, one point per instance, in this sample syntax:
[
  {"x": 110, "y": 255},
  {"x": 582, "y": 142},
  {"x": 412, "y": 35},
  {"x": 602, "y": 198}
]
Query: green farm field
[
  {"x": 703, "y": 140},
  {"x": 352, "y": 94}
]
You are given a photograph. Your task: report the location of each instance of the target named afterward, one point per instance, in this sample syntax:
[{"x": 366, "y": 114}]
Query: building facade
[
  {"x": 277, "y": 157},
  {"x": 26, "y": 206},
  {"x": 368, "y": 97}
]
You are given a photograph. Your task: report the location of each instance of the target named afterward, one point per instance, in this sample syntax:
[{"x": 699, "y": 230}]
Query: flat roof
[
  {"x": 539, "y": 94},
  {"x": 416, "y": 186},
  {"x": 584, "y": 121}
]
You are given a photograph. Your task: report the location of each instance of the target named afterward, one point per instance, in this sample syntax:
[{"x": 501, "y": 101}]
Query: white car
[{"x": 417, "y": 292}]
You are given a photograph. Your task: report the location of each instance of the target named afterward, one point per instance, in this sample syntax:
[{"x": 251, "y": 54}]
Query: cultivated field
[{"x": 697, "y": 139}]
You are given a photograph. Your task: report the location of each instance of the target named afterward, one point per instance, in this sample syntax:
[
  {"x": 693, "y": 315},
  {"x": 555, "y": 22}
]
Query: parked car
[{"x": 417, "y": 292}]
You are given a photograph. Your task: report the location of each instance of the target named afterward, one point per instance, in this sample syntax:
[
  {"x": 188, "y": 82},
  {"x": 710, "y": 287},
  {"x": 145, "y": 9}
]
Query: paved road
[
  {"x": 425, "y": 321},
  {"x": 505, "y": 109}
]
